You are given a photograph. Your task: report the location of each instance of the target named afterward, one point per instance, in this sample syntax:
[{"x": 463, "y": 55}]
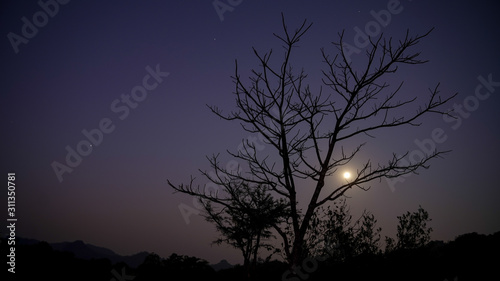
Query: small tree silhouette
[
  {"x": 337, "y": 236},
  {"x": 368, "y": 235},
  {"x": 244, "y": 220},
  {"x": 413, "y": 231}
]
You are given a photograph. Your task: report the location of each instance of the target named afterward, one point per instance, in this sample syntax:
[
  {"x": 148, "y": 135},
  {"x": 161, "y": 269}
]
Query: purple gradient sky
[{"x": 66, "y": 77}]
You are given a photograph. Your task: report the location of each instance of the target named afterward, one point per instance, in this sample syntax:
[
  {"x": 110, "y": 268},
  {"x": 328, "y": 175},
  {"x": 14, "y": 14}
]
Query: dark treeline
[{"x": 469, "y": 257}]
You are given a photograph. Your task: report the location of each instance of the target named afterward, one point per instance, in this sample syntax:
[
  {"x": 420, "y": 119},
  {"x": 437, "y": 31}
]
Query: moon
[{"x": 347, "y": 175}]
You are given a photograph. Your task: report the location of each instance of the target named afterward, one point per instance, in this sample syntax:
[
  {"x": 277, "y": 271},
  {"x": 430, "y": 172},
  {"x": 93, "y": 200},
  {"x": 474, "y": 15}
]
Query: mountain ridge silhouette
[{"x": 88, "y": 251}]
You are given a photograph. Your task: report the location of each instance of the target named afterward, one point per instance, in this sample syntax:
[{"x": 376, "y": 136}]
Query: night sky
[{"x": 76, "y": 72}]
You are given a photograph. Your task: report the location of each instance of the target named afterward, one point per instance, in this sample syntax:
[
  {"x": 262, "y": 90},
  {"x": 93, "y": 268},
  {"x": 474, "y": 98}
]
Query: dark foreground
[{"x": 469, "y": 257}]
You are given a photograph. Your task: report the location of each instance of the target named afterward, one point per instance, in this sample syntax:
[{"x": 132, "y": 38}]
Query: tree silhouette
[
  {"x": 244, "y": 220},
  {"x": 335, "y": 235},
  {"x": 413, "y": 231},
  {"x": 368, "y": 235},
  {"x": 307, "y": 129}
]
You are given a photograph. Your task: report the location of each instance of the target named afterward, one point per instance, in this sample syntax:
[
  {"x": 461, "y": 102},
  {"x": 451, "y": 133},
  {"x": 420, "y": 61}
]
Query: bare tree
[{"x": 307, "y": 130}]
